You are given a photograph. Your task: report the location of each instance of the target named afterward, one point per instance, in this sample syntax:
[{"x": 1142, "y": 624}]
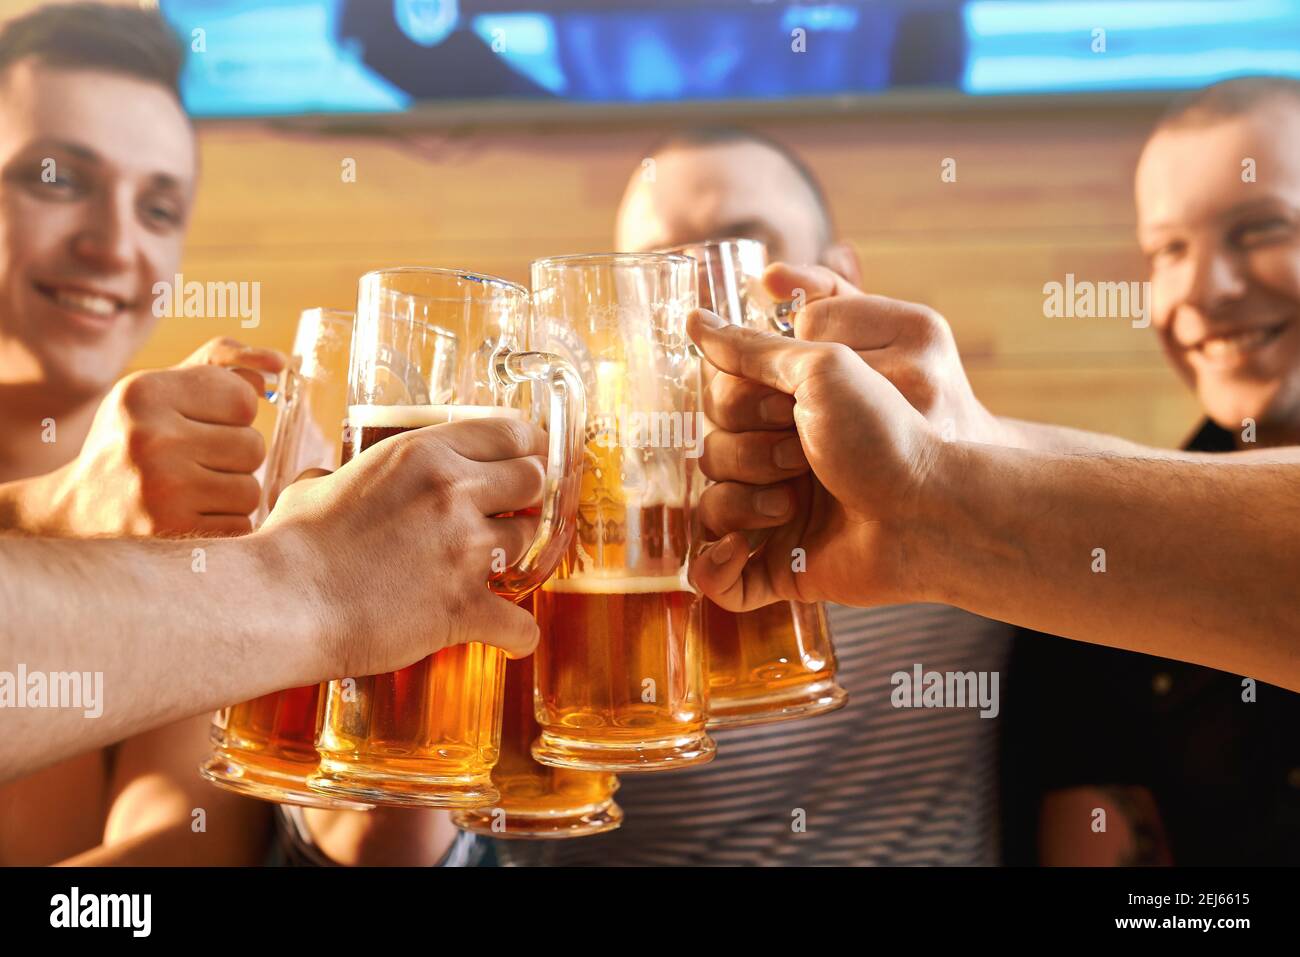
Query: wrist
[
  {"x": 998, "y": 430},
  {"x": 290, "y": 602},
  {"x": 929, "y": 522}
]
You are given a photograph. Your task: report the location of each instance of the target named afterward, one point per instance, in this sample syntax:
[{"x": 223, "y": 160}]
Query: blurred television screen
[{"x": 287, "y": 57}]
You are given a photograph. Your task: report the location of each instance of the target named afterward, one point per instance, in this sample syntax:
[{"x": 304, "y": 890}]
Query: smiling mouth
[
  {"x": 96, "y": 304},
  {"x": 1230, "y": 347}
]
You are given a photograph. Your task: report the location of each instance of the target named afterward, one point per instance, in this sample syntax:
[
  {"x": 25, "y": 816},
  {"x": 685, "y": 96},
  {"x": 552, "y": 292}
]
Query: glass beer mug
[
  {"x": 538, "y": 801},
  {"x": 774, "y": 663},
  {"x": 266, "y": 747},
  {"x": 434, "y": 346},
  {"x": 619, "y": 673}
]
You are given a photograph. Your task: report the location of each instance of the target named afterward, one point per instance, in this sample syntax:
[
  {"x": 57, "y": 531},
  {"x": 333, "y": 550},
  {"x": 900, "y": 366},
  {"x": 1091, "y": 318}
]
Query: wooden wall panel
[{"x": 1038, "y": 194}]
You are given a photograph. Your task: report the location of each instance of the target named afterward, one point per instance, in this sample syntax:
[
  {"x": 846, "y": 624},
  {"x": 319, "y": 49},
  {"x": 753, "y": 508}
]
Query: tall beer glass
[
  {"x": 619, "y": 674},
  {"x": 432, "y": 346},
  {"x": 775, "y": 663},
  {"x": 537, "y": 801},
  {"x": 265, "y": 747}
]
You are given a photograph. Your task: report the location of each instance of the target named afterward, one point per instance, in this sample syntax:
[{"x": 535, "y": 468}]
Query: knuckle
[
  {"x": 208, "y": 378},
  {"x": 456, "y": 483},
  {"x": 918, "y": 386},
  {"x": 243, "y": 402},
  {"x": 534, "y": 483},
  {"x": 145, "y": 444},
  {"x": 446, "y": 493},
  {"x": 717, "y": 505},
  {"x": 720, "y": 455},
  {"x": 254, "y": 447},
  {"x": 829, "y": 357},
  {"x": 726, "y": 397},
  {"x": 219, "y": 384},
  {"x": 517, "y": 434},
  {"x": 932, "y": 326},
  {"x": 746, "y": 455},
  {"x": 139, "y": 391},
  {"x": 816, "y": 319},
  {"x": 714, "y": 401},
  {"x": 415, "y": 451},
  {"x": 158, "y": 493},
  {"x": 762, "y": 453}
]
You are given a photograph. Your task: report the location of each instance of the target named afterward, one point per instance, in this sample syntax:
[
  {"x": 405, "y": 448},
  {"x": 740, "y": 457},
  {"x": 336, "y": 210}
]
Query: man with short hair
[
  {"x": 868, "y": 784},
  {"x": 97, "y": 176},
  {"x": 723, "y": 182},
  {"x": 1188, "y": 765}
]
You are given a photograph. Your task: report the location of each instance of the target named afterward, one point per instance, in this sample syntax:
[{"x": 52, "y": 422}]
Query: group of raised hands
[{"x": 858, "y": 445}]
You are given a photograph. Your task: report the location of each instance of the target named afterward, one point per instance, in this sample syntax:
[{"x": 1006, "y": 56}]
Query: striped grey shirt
[{"x": 876, "y": 784}]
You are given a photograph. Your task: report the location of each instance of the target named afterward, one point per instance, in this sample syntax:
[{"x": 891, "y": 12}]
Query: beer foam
[
  {"x": 636, "y": 585},
  {"x": 418, "y": 416}
]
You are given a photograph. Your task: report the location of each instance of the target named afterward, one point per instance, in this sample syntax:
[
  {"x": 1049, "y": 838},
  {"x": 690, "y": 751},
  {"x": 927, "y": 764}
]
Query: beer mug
[
  {"x": 539, "y": 801},
  {"x": 619, "y": 674},
  {"x": 433, "y": 346},
  {"x": 774, "y": 663},
  {"x": 266, "y": 747}
]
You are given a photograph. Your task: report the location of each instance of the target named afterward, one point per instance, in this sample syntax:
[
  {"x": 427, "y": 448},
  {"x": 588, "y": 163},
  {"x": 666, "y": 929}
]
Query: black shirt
[{"x": 1225, "y": 772}]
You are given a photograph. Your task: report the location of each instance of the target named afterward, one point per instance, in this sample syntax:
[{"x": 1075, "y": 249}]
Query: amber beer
[
  {"x": 619, "y": 664},
  {"x": 775, "y": 663},
  {"x": 620, "y": 682},
  {"x": 265, "y": 747},
  {"x": 772, "y": 664},
  {"x": 435, "y": 726},
  {"x": 537, "y": 801}
]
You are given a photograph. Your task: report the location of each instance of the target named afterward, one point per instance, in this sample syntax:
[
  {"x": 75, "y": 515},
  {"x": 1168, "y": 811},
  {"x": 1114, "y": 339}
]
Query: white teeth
[
  {"x": 1239, "y": 343},
  {"x": 86, "y": 302}
]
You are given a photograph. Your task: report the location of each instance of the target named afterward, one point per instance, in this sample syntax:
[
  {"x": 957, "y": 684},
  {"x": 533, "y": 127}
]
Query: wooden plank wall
[{"x": 1038, "y": 194}]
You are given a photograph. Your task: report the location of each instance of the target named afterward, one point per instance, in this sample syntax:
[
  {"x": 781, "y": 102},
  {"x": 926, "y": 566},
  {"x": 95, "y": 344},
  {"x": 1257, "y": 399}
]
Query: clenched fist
[
  {"x": 816, "y": 445},
  {"x": 170, "y": 451}
]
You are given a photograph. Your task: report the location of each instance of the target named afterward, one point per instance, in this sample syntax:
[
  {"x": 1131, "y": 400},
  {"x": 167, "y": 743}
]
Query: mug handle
[
  {"x": 567, "y": 423},
  {"x": 283, "y": 446}
]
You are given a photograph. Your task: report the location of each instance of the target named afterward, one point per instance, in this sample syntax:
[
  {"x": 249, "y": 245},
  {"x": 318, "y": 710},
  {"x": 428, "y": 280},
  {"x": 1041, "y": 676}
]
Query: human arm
[
  {"x": 1196, "y": 567},
  {"x": 322, "y": 590},
  {"x": 170, "y": 452}
]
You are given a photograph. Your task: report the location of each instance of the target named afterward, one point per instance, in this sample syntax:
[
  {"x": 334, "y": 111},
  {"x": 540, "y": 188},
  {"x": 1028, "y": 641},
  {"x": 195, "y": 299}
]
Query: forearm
[
  {"x": 156, "y": 630},
  {"x": 1020, "y": 434},
  {"x": 1039, "y": 436},
  {"x": 1199, "y": 558}
]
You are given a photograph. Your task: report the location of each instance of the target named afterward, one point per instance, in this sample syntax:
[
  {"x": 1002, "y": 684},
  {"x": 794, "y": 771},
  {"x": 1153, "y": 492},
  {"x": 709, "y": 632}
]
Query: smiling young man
[
  {"x": 1190, "y": 765},
  {"x": 97, "y": 177}
]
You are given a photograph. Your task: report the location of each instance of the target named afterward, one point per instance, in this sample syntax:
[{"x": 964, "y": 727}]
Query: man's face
[
  {"x": 96, "y": 179},
  {"x": 744, "y": 190},
  {"x": 1225, "y": 261}
]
